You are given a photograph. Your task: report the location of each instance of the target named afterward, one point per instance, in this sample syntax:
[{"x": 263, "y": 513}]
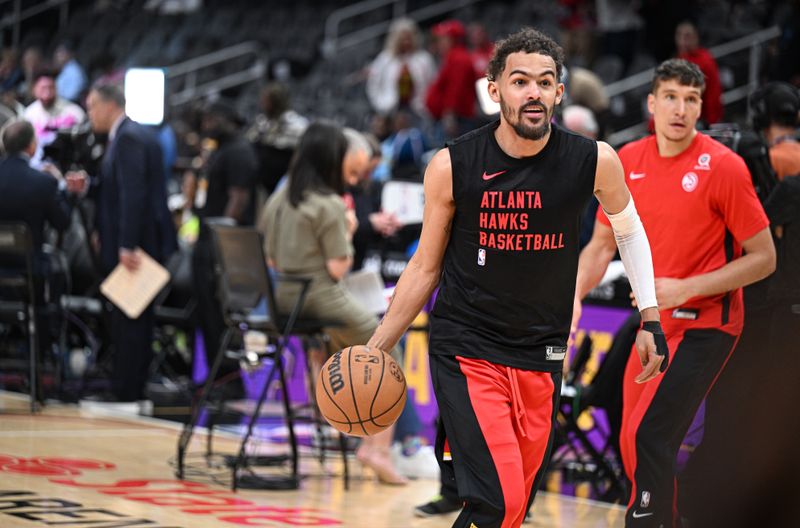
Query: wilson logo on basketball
[{"x": 335, "y": 373}]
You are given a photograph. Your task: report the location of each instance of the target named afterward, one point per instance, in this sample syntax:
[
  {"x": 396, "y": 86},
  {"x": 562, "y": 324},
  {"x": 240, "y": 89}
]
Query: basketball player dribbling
[{"x": 500, "y": 239}]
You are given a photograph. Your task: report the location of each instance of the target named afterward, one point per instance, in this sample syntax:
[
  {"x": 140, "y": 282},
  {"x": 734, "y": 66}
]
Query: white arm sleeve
[{"x": 635, "y": 252}]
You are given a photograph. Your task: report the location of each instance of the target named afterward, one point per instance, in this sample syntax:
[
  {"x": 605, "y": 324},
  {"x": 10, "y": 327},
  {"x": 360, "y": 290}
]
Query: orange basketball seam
[
  {"x": 378, "y": 388},
  {"x": 373, "y": 418},
  {"x": 352, "y": 388}
]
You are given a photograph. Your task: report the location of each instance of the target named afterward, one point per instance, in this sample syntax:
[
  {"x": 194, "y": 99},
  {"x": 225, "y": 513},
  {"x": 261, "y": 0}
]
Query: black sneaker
[
  {"x": 438, "y": 506},
  {"x": 528, "y": 518}
]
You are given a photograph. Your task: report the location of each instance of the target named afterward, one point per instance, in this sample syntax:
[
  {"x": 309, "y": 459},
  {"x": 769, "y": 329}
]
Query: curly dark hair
[
  {"x": 683, "y": 71},
  {"x": 527, "y": 40}
]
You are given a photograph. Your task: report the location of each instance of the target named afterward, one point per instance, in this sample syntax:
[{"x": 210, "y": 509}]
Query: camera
[
  {"x": 753, "y": 149},
  {"x": 76, "y": 148}
]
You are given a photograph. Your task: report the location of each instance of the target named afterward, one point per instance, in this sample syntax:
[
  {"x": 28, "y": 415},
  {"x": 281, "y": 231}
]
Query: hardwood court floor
[{"x": 92, "y": 469}]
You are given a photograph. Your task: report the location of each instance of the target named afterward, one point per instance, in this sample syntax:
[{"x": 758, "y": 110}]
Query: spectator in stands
[
  {"x": 32, "y": 61},
  {"x": 71, "y": 80},
  {"x": 274, "y": 134},
  {"x": 576, "y": 34},
  {"x": 581, "y": 120},
  {"x": 31, "y": 196},
  {"x": 50, "y": 113},
  {"x": 231, "y": 170},
  {"x": 404, "y": 149},
  {"x": 132, "y": 214},
  {"x": 104, "y": 71},
  {"x": 451, "y": 98},
  {"x": 226, "y": 187},
  {"x": 168, "y": 141},
  {"x": 481, "y": 47},
  {"x": 39, "y": 200},
  {"x": 585, "y": 88},
  {"x": 776, "y": 118},
  {"x": 618, "y": 24},
  {"x": 660, "y": 20},
  {"x": 374, "y": 225},
  {"x": 787, "y": 67},
  {"x": 8, "y": 109},
  {"x": 10, "y": 71},
  {"x": 687, "y": 45},
  {"x": 309, "y": 232},
  {"x": 400, "y": 75}
]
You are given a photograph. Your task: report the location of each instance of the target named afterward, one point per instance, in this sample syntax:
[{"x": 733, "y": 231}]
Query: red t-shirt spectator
[{"x": 453, "y": 90}]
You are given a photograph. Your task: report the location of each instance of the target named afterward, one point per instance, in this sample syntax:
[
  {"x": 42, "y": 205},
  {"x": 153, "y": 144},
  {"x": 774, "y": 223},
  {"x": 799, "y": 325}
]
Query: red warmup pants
[
  {"x": 657, "y": 414},
  {"x": 499, "y": 424}
]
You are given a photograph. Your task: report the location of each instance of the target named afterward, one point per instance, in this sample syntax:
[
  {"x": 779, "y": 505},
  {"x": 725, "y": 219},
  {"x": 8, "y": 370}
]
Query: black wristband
[{"x": 654, "y": 327}]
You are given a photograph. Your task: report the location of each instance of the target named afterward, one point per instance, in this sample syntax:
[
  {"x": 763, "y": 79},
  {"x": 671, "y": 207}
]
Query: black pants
[
  {"x": 657, "y": 414},
  {"x": 498, "y": 425},
  {"x": 133, "y": 340}
]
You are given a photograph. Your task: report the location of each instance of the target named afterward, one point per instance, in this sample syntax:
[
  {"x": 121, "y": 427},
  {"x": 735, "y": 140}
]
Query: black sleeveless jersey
[{"x": 508, "y": 278}]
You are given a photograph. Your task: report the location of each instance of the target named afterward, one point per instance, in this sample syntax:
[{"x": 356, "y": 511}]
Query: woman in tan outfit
[{"x": 308, "y": 232}]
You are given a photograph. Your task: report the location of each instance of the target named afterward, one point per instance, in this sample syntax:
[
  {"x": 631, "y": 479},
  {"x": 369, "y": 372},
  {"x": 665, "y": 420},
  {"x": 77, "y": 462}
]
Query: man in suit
[
  {"x": 29, "y": 195},
  {"x": 131, "y": 213},
  {"x": 38, "y": 199}
]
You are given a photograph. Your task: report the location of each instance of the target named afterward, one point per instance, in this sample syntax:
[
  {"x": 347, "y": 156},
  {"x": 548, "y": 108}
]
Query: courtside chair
[
  {"x": 17, "y": 298},
  {"x": 248, "y": 303}
]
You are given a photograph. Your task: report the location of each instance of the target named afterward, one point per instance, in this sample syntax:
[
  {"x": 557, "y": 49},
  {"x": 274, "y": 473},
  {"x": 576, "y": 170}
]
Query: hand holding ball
[{"x": 361, "y": 391}]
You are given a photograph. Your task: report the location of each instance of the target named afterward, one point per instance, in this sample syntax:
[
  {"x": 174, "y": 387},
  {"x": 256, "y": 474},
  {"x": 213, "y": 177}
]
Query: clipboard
[{"x": 132, "y": 292}]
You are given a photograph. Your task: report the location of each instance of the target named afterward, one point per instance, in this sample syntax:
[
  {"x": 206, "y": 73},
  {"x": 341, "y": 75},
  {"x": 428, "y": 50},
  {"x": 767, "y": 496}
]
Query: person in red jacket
[
  {"x": 451, "y": 97},
  {"x": 687, "y": 45}
]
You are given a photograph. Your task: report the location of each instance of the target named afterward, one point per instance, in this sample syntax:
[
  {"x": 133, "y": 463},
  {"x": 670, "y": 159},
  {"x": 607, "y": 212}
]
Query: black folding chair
[
  {"x": 248, "y": 303},
  {"x": 19, "y": 299}
]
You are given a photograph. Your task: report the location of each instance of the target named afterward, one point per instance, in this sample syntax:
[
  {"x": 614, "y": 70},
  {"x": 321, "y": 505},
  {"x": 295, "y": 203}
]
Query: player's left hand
[
  {"x": 669, "y": 293},
  {"x": 654, "y": 358},
  {"x": 672, "y": 292}
]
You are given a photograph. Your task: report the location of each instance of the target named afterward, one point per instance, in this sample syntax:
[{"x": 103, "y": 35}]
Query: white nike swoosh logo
[
  {"x": 637, "y": 515},
  {"x": 637, "y": 175}
]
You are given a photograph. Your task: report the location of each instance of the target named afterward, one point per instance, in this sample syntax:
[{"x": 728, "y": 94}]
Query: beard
[{"x": 523, "y": 130}]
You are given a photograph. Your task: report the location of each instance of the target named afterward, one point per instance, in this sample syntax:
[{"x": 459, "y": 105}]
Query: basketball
[{"x": 361, "y": 391}]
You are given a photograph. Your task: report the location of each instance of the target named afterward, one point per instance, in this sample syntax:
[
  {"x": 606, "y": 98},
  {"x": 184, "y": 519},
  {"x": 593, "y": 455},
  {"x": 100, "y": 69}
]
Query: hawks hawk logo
[{"x": 689, "y": 181}]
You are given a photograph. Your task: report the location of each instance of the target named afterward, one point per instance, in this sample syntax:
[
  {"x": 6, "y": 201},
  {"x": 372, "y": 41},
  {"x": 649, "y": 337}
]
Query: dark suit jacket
[
  {"x": 132, "y": 203},
  {"x": 31, "y": 196}
]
